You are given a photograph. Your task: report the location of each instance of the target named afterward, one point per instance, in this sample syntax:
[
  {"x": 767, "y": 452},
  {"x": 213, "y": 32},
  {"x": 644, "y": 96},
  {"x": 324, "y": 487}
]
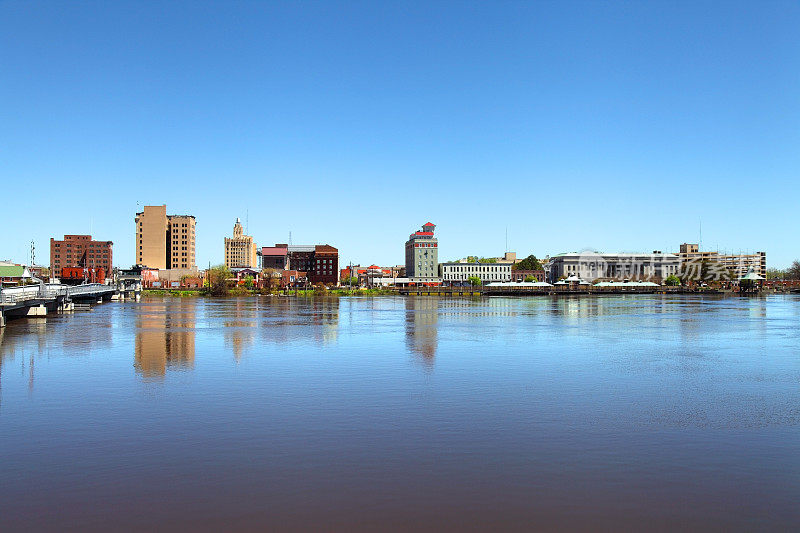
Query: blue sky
[{"x": 612, "y": 126}]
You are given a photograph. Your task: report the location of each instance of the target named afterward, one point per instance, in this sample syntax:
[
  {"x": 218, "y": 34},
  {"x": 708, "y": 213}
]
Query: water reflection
[
  {"x": 241, "y": 326},
  {"x": 288, "y": 319},
  {"x": 165, "y": 338},
  {"x": 421, "y": 325}
]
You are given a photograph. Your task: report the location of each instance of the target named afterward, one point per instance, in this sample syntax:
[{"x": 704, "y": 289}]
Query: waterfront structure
[
  {"x": 80, "y": 251},
  {"x": 422, "y": 253},
  {"x": 240, "y": 250},
  {"x": 737, "y": 264},
  {"x": 165, "y": 241},
  {"x": 459, "y": 273},
  {"x": 589, "y": 266}
]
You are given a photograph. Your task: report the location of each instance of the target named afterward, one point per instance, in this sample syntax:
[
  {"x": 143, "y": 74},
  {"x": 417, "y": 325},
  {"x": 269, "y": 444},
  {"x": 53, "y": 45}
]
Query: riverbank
[{"x": 239, "y": 292}]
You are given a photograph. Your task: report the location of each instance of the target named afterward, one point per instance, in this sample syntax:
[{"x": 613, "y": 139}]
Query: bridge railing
[{"x": 15, "y": 295}]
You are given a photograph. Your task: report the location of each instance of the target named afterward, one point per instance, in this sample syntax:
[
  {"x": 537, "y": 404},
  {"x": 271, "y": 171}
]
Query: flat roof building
[
  {"x": 737, "y": 264},
  {"x": 80, "y": 251},
  {"x": 164, "y": 241},
  {"x": 591, "y": 265},
  {"x": 459, "y": 273}
]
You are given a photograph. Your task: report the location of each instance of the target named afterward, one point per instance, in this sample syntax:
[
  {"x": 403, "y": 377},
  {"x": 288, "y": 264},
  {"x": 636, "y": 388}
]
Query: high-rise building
[
  {"x": 422, "y": 253},
  {"x": 164, "y": 241},
  {"x": 240, "y": 250},
  {"x": 80, "y": 251}
]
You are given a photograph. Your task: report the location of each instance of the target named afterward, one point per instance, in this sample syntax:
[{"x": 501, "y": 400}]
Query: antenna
[
  {"x": 700, "y": 242},
  {"x": 290, "y": 238}
]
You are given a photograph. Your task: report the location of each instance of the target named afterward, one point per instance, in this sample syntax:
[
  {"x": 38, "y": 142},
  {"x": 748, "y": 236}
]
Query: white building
[
  {"x": 593, "y": 265},
  {"x": 459, "y": 273}
]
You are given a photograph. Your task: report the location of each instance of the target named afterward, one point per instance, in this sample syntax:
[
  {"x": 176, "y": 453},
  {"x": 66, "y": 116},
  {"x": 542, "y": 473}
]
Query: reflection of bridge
[{"x": 39, "y": 300}]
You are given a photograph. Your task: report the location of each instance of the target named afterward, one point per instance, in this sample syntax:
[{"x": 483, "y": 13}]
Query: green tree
[
  {"x": 793, "y": 272},
  {"x": 529, "y": 263},
  {"x": 774, "y": 273},
  {"x": 529, "y": 279},
  {"x": 474, "y": 281},
  {"x": 351, "y": 281},
  {"x": 218, "y": 277},
  {"x": 249, "y": 283},
  {"x": 672, "y": 281}
]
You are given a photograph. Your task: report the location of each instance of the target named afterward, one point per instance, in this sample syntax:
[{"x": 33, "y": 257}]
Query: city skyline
[{"x": 573, "y": 126}]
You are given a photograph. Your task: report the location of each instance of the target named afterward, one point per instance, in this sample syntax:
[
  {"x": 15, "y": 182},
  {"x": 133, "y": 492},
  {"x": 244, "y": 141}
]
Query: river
[{"x": 391, "y": 413}]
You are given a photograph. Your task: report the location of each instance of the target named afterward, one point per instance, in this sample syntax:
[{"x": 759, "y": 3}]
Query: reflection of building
[
  {"x": 422, "y": 253},
  {"x": 299, "y": 319},
  {"x": 240, "y": 332},
  {"x": 80, "y": 251},
  {"x": 240, "y": 250},
  {"x": 736, "y": 264},
  {"x": 165, "y": 241},
  {"x": 592, "y": 265},
  {"x": 422, "y": 317},
  {"x": 164, "y": 338}
]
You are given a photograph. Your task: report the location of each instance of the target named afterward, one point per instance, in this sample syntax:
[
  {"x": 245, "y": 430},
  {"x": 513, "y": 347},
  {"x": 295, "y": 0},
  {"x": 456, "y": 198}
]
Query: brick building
[
  {"x": 80, "y": 251},
  {"x": 320, "y": 261}
]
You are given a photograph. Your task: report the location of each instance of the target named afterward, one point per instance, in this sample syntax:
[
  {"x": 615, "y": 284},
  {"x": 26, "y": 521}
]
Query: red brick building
[
  {"x": 80, "y": 251},
  {"x": 520, "y": 275},
  {"x": 320, "y": 262}
]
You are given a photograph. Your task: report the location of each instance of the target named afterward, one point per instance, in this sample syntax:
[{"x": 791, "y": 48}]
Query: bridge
[{"x": 39, "y": 300}]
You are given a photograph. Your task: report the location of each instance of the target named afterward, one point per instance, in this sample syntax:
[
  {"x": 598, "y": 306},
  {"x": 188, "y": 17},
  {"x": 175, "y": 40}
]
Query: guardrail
[{"x": 16, "y": 295}]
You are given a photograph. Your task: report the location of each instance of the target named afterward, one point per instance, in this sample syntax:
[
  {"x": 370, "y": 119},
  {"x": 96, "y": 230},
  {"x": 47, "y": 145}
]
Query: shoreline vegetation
[{"x": 240, "y": 291}]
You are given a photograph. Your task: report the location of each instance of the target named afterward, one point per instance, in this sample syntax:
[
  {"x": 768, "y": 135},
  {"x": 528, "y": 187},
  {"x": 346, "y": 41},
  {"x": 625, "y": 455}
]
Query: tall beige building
[
  {"x": 240, "y": 250},
  {"x": 164, "y": 241},
  {"x": 737, "y": 264}
]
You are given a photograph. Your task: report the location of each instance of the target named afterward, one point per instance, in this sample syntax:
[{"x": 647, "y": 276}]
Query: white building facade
[
  {"x": 459, "y": 273},
  {"x": 590, "y": 266}
]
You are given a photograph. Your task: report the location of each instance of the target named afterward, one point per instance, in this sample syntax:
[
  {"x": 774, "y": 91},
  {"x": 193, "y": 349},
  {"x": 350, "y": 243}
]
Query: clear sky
[{"x": 612, "y": 126}]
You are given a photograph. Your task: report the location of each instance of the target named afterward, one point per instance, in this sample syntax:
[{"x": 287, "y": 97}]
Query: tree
[
  {"x": 271, "y": 278},
  {"x": 774, "y": 273},
  {"x": 529, "y": 263},
  {"x": 793, "y": 272},
  {"x": 529, "y": 279},
  {"x": 672, "y": 281},
  {"x": 249, "y": 283},
  {"x": 474, "y": 280},
  {"x": 351, "y": 281},
  {"x": 218, "y": 277}
]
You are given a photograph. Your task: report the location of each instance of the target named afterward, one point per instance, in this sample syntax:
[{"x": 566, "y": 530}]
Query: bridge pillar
[
  {"x": 2, "y": 320},
  {"x": 37, "y": 310}
]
